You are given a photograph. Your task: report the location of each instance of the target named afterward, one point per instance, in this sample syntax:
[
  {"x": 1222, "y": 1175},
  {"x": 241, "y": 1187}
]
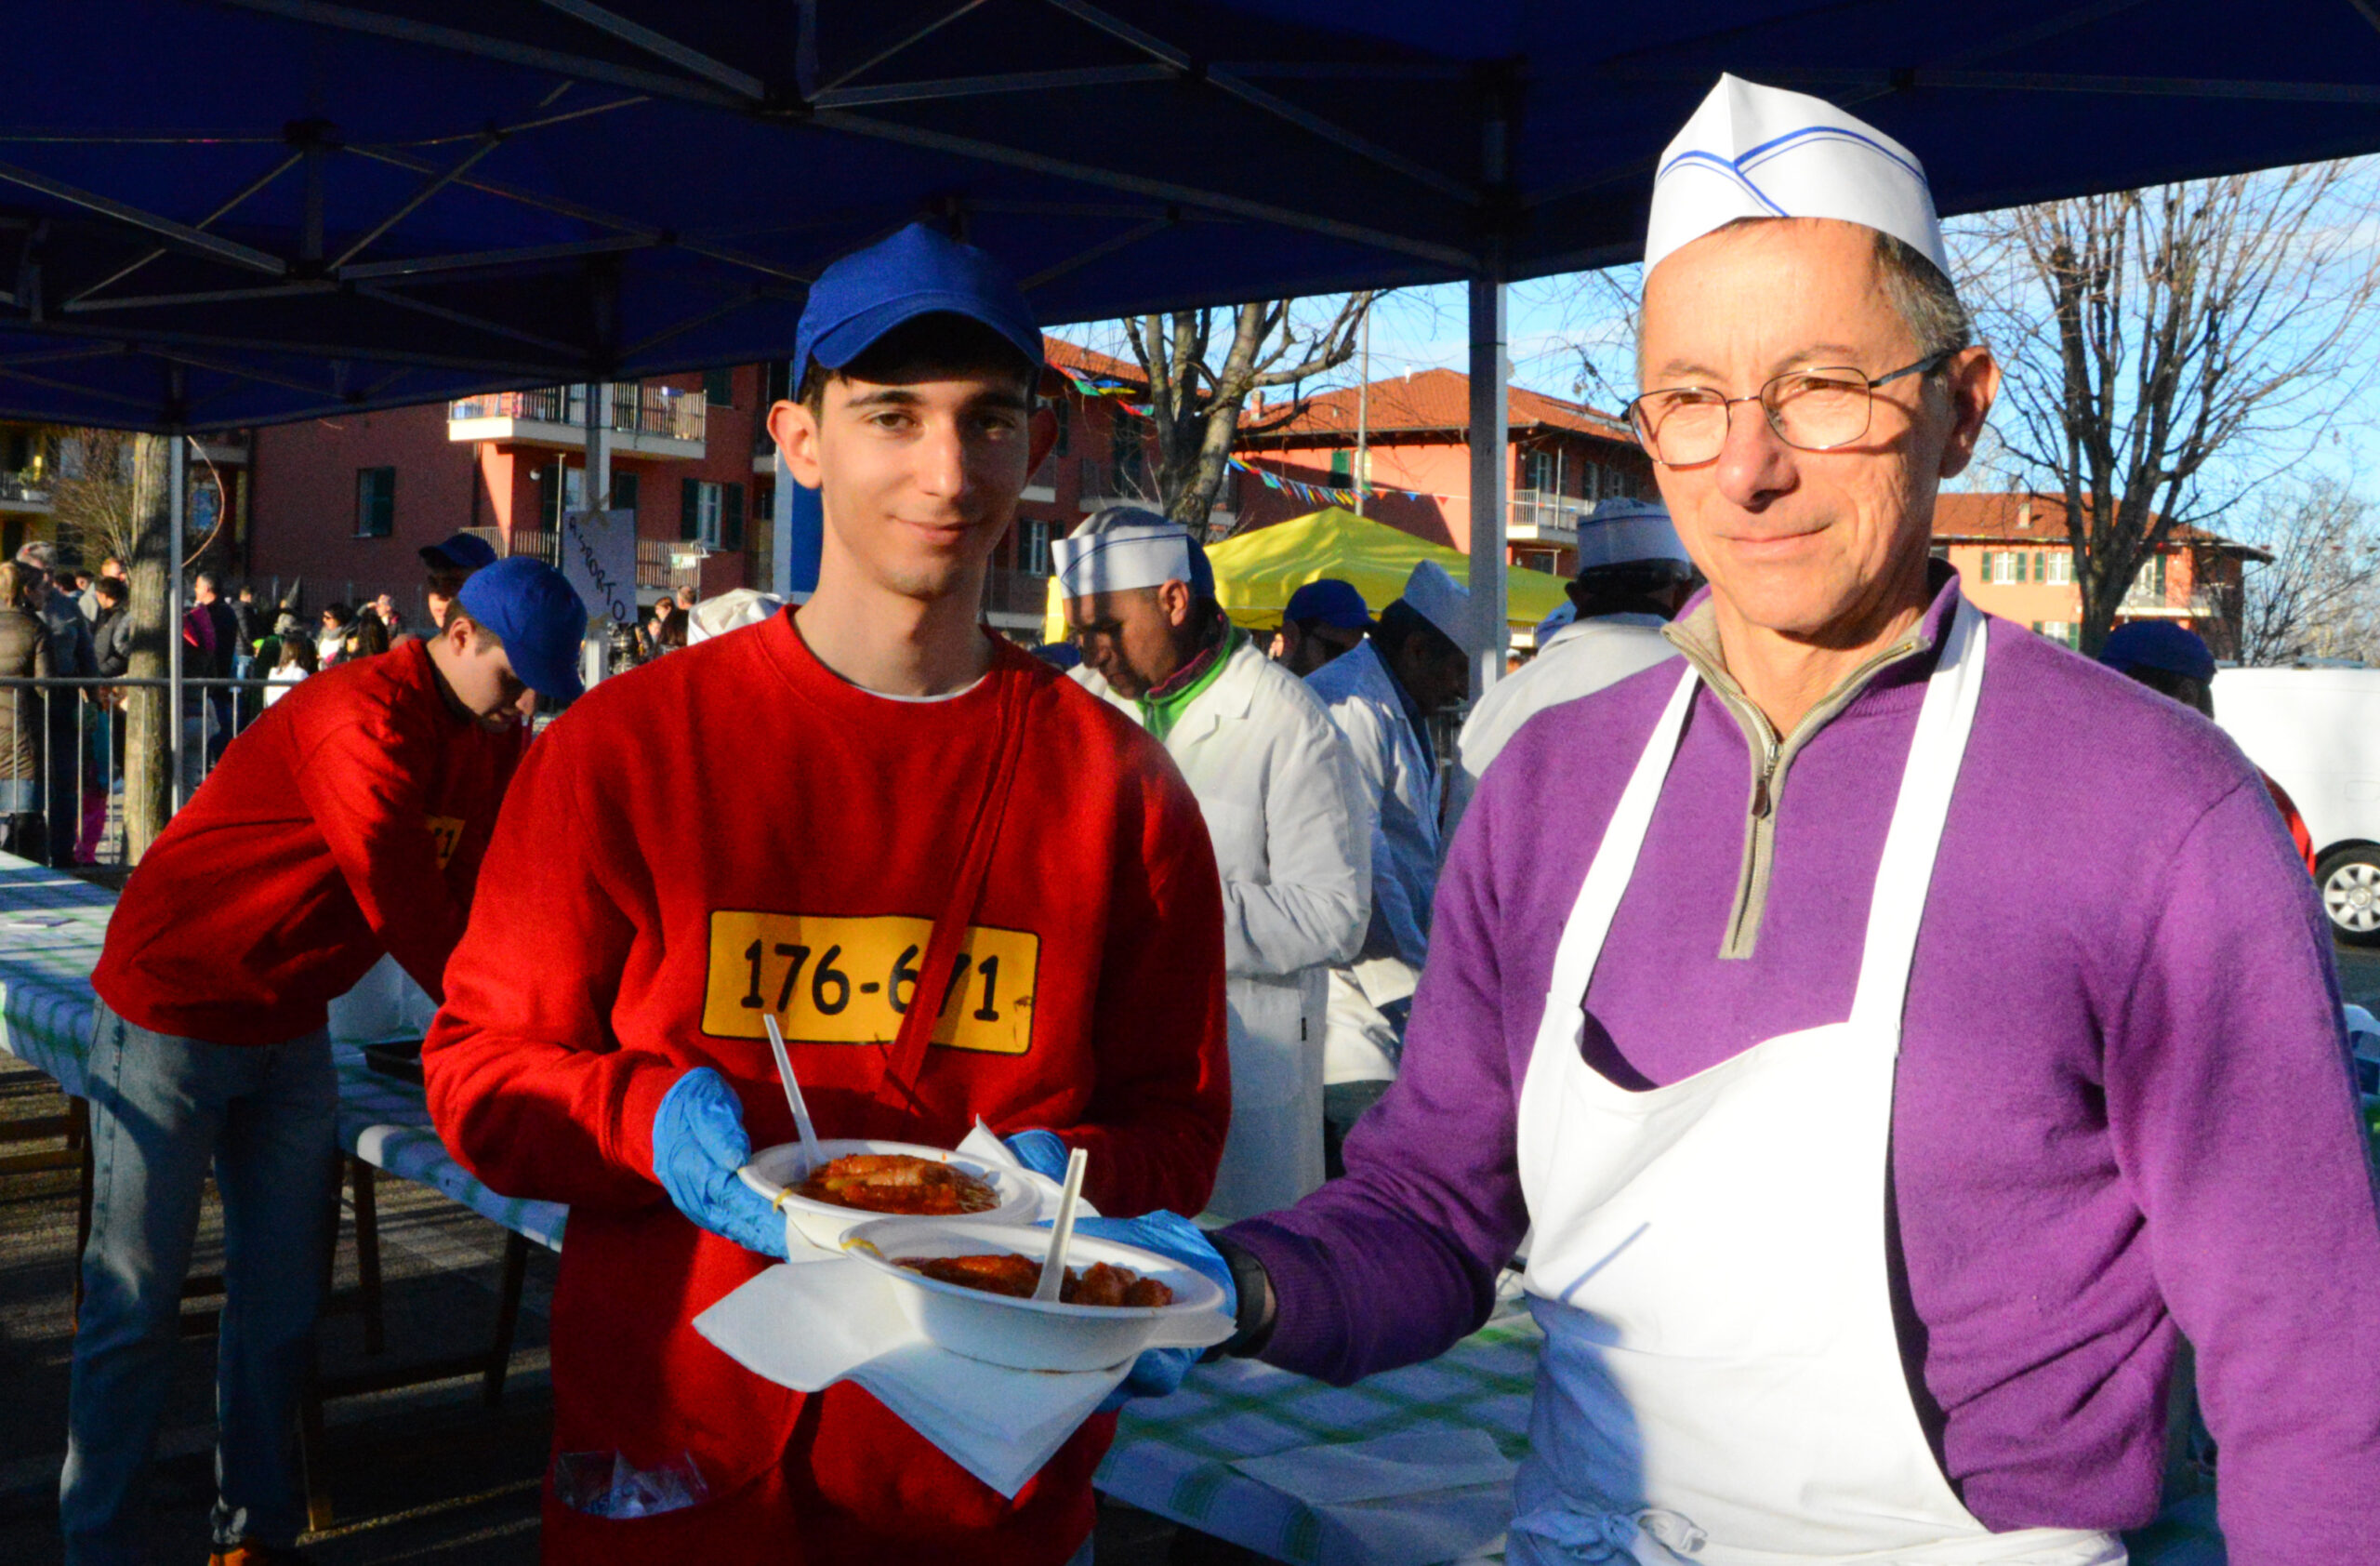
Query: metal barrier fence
[{"x": 62, "y": 757}]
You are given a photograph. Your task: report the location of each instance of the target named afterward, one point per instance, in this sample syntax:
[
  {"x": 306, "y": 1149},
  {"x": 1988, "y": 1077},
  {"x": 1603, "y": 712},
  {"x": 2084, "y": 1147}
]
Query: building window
[
  {"x": 711, "y": 514},
  {"x": 1127, "y": 456},
  {"x": 2061, "y": 569},
  {"x": 1033, "y": 548},
  {"x": 1539, "y": 471},
  {"x": 1065, "y": 426},
  {"x": 376, "y": 502},
  {"x": 2066, "y": 633},
  {"x": 718, "y": 388},
  {"x": 624, "y": 492}
]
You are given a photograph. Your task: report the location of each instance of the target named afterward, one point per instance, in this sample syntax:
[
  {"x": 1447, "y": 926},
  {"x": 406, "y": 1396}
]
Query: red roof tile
[
  {"x": 1429, "y": 400},
  {"x": 2034, "y": 517}
]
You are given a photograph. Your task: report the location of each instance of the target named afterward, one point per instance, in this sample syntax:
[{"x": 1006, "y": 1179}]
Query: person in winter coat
[{"x": 1277, "y": 786}]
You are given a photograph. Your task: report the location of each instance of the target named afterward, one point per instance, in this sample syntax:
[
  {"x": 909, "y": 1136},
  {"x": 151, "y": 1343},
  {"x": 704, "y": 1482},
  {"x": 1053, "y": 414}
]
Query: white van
[{"x": 2316, "y": 731}]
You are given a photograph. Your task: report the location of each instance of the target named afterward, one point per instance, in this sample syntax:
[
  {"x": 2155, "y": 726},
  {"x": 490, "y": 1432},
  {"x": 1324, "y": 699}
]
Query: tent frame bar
[
  {"x": 181, "y": 234},
  {"x": 661, "y": 47}
]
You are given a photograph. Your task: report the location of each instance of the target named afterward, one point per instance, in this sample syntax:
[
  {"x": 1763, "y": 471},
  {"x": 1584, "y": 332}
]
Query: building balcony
[
  {"x": 24, "y": 494},
  {"x": 660, "y": 563},
  {"x": 1541, "y": 517},
  {"x": 645, "y": 420},
  {"x": 225, "y": 448}
]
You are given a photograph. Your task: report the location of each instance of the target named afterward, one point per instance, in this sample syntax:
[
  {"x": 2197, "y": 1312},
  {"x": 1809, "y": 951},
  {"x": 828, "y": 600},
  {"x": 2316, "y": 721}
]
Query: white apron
[{"x": 1721, "y": 1381}]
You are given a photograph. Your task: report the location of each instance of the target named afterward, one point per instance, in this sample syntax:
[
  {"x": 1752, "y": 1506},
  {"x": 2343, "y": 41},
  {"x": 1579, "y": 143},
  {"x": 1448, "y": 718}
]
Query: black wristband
[{"x": 1254, "y": 1322}]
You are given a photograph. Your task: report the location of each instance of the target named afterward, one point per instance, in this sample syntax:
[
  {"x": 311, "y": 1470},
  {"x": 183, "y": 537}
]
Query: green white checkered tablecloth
[
  {"x": 1175, "y": 1457},
  {"x": 51, "y": 928}
]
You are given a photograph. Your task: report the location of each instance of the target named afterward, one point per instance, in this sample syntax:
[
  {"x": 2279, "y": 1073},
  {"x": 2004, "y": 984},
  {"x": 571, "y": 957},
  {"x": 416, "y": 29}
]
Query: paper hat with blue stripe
[
  {"x": 1120, "y": 548},
  {"x": 1756, "y": 151}
]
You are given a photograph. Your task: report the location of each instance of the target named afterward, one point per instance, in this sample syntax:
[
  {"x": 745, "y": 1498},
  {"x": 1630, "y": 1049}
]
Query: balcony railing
[
  {"x": 1548, "y": 512},
  {"x": 656, "y": 558},
  {"x": 23, "y": 489},
  {"x": 664, "y": 412}
]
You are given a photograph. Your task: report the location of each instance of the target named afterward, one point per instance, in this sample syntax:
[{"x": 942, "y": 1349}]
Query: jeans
[{"x": 162, "y": 1110}]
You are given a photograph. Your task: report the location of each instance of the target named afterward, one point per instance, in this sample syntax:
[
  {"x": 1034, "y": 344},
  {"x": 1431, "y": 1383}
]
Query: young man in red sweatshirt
[
  {"x": 347, "y": 822},
  {"x": 776, "y": 821}
]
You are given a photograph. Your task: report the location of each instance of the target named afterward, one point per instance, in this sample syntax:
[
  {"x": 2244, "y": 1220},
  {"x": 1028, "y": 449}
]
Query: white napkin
[
  {"x": 1421, "y": 1495},
  {"x": 808, "y": 1327}
]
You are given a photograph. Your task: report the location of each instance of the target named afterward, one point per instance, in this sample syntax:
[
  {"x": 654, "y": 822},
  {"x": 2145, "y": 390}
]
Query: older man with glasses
[{"x": 1895, "y": 1033}]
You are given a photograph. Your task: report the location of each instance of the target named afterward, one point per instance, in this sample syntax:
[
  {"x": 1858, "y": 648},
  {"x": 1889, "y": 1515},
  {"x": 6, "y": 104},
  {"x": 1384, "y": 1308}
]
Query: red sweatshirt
[
  {"x": 346, "y": 822},
  {"x": 734, "y": 828}
]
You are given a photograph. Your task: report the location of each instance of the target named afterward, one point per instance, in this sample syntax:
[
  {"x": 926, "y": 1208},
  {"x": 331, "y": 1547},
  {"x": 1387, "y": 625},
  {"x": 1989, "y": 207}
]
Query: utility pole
[{"x": 1363, "y": 416}]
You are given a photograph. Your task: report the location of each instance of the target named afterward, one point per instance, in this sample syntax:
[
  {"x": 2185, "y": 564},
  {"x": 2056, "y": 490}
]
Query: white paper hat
[
  {"x": 732, "y": 610},
  {"x": 1756, "y": 151},
  {"x": 1618, "y": 532},
  {"x": 1439, "y": 599},
  {"x": 1123, "y": 546}
]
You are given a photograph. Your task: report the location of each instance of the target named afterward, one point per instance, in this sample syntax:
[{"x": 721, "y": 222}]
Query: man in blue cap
[
  {"x": 1323, "y": 619},
  {"x": 896, "y": 809},
  {"x": 346, "y": 822},
  {"x": 450, "y": 561}
]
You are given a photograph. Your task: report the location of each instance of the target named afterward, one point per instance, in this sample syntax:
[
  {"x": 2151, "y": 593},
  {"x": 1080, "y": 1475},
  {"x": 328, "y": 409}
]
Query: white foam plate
[
  {"x": 820, "y": 1223},
  {"x": 1034, "y": 1334}
]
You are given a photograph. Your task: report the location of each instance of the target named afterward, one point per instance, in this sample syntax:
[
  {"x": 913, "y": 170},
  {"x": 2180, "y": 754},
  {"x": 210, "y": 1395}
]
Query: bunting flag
[{"x": 1309, "y": 493}]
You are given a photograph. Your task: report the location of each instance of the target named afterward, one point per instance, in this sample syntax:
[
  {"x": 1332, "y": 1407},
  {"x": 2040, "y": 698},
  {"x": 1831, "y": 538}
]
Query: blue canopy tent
[{"x": 226, "y": 212}]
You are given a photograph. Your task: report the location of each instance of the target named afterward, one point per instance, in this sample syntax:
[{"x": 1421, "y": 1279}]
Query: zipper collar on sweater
[{"x": 1696, "y": 634}]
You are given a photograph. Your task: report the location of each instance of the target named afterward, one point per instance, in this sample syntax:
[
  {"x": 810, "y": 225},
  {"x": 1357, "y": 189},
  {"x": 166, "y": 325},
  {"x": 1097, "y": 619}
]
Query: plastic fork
[
  {"x": 812, "y": 1155},
  {"x": 1061, "y": 1233}
]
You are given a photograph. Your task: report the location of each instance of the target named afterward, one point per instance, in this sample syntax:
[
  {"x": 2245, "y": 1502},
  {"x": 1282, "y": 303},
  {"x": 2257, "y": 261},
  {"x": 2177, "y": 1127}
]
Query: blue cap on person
[
  {"x": 462, "y": 551},
  {"x": 540, "y": 618},
  {"x": 2158, "y": 645},
  {"x": 918, "y": 271},
  {"x": 1334, "y": 603}
]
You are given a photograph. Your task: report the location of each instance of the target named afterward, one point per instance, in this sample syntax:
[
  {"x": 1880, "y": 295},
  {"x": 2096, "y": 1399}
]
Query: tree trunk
[{"x": 148, "y": 752}]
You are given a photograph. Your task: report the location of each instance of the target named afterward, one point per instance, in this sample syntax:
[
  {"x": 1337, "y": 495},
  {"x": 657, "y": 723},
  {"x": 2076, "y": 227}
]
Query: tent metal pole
[
  {"x": 1490, "y": 455},
  {"x": 177, "y": 499}
]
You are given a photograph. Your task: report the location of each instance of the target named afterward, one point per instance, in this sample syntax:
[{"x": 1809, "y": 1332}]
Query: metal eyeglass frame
[{"x": 1650, "y": 439}]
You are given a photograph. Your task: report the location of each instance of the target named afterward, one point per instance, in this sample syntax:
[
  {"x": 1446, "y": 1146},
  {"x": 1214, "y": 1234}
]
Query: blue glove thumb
[
  {"x": 1159, "y": 1372},
  {"x": 1040, "y": 1151},
  {"x": 698, "y": 1144}
]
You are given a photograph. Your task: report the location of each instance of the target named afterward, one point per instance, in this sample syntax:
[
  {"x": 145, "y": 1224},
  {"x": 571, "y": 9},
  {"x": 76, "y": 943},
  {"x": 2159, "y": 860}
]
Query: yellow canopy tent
[{"x": 1256, "y": 572}]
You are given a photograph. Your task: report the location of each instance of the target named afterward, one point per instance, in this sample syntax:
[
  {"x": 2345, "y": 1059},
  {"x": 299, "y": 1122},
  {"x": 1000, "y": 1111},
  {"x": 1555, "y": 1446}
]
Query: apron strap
[
  {"x": 895, "y": 1098},
  {"x": 1615, "y": 860},
  {"x": 1906, "y": 869}
]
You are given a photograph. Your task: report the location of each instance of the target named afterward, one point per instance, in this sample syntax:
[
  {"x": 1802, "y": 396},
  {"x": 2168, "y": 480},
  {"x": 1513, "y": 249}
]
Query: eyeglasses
[{"x": 1810, "y": 410}]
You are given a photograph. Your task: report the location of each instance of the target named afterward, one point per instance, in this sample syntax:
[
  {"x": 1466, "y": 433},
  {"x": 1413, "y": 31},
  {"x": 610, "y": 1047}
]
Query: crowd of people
[{"x": 1872, "y": 1069}]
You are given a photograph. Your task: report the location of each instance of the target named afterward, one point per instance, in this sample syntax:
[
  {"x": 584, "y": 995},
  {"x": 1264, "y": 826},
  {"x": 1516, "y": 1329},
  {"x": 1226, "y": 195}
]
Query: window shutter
[
  {"x": 731, "y": 516},
  {"x": 690, "y": 511},
  {"x": 624, "y": 492},
  {"x": 718, "y": 388}
]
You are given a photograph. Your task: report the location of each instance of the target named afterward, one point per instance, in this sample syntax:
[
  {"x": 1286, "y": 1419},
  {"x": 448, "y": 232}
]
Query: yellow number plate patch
[
  {"x": 446, "y": 832},
  {"x": 850, "y": 981}
]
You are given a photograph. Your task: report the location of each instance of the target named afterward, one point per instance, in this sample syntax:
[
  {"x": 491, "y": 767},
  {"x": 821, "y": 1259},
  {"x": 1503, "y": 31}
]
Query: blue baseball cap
[
  {"x": 463, "y": 551},
  {"x": 2158, "y": 645},
  {"x": 540, "y": 616},
  {"x": 1334, "y": 603},
  {"x": 918, "y": 271}
]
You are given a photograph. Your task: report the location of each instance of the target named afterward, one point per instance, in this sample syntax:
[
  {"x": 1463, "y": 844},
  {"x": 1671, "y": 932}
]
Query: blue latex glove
[
  {"x": 698, "y": 1144},
  {"x": 1040, "y": 1151},
  {"x": 1159, "y": 1371}
]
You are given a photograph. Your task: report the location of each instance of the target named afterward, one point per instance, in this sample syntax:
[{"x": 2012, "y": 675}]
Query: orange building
[
  {"x": 1563, "y": 457},
  {"x": 2014, "y": 561}
]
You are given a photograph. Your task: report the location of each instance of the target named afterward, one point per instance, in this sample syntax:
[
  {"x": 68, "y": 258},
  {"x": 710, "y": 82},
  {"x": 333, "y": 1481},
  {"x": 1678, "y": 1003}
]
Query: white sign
[{"x": 598, "y": 559}]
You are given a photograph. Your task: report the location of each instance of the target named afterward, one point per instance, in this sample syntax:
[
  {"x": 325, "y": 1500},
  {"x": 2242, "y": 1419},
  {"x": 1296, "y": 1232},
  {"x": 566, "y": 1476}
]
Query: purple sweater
[{"x": 2123, "y": 1114}]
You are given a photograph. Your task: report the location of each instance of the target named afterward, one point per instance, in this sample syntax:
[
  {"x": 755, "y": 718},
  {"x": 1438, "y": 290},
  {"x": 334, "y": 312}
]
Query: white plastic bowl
[
  {"x": 1031, "y": 1335},
  {"x": 820, "y": 1223}
]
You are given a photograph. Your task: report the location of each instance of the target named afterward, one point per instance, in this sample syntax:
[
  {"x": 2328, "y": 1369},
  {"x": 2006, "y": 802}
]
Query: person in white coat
[
  {"x": 1383, "y": 696},
  {"x": 1633, "y": 578},
  {"x": 1278, "y": 790}
]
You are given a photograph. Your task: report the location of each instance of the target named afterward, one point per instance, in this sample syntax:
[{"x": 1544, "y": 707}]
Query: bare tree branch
[{"x": 2149, "y": 338}]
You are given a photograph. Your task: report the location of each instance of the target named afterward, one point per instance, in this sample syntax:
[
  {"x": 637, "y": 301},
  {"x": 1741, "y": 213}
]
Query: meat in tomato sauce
[
  {"x": 898, "y": 1183},
  {"x": 1006, "y": 1273}
]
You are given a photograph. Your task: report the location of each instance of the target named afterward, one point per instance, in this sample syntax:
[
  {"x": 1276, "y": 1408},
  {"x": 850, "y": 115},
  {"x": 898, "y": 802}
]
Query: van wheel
[{"x": 2350, "y": 883}]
